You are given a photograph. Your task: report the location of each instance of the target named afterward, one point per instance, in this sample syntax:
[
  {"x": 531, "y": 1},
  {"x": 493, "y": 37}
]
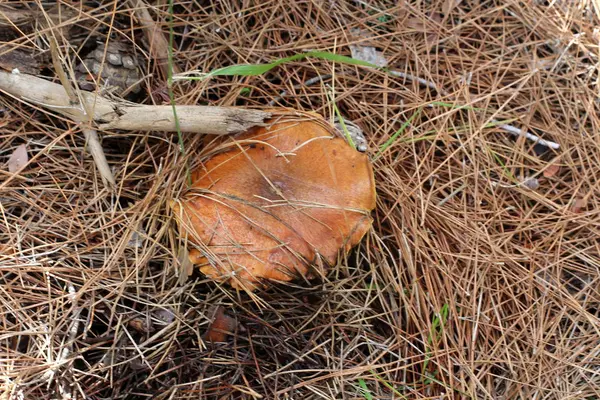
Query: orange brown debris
[
  {"x": 275, "y": 201},
  {"x": 221, "y": 326}
]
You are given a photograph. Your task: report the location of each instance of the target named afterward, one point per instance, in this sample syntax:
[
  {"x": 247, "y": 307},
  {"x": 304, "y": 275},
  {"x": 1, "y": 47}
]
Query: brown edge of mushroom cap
[{"x": 248, "y": 210}]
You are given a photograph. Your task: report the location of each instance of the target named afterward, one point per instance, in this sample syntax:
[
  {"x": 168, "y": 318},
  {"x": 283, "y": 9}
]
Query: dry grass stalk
[{"x": 470, "y": 285}]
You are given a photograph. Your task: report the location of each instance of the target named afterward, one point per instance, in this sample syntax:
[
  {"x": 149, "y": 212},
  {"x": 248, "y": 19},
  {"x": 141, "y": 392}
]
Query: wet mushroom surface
[{"x": 275, "y": 202}]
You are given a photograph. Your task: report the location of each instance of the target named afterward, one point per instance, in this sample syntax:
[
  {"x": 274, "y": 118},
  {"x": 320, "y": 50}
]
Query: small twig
[
  {"x": 451, "y": 195},
  {"x": 67, "y": 349},
  {"x": 422, "y": 81},
  {"x": 74, "y": 327},
  {"x": 159, "y": 46},
  {"x": 91, "y": 136},
  {"x": 520, "y": 132},
  {"x": 95, "y": 149},
  {"x": 309, "y": 82}
]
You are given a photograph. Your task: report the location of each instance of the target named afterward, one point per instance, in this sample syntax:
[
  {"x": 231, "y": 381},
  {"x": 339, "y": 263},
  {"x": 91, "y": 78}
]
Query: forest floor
[{"x": 479, "y": 278}]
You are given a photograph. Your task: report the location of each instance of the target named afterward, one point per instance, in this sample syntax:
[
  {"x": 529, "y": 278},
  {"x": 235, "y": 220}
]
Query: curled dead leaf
[
  {"x": 579, "y": 204},
  {"x": 449, "y": 5},
  {"x": 18, "y": 159},
  {"x": 140, "y": 325},
  {"x": 424, "y": 25},
  {"x": 221, "y": 326},
  {"x": 364, "y": 49},
  {"x": 428, "y": 27},
  {"x": 163, "y": 316},
  {"x": 551, "y": 170},
  {"x": 137, "y": 238}
]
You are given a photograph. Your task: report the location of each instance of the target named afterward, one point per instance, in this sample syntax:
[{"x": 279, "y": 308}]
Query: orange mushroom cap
[{"x": 276, "y": 200}]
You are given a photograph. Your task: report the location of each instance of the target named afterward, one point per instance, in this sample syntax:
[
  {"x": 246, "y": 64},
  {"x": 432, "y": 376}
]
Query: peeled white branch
[
  {"x": 530, "y": 136},
  {"x": 111, "y": 114}
]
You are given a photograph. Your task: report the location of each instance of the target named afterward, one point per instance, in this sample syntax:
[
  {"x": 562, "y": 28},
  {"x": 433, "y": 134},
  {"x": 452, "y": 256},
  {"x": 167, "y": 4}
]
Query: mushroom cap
[{"x": 273, "y": 202}]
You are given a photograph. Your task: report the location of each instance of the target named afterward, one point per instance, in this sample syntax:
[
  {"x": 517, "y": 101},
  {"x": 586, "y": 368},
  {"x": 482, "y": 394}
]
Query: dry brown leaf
[
  {"x": 139, "y": 325},
  {"x": 365, "y": 50},
  {"x": 579, "y": 205},
  {"x": 137, "y": 238},
  {"x": 552, "y": 170},
  {"x": 416, "y": 24},
  {"x": 18, "y": 159},
  {"x": 221, "y": 326},
  {"x": 423, "y": 25},
  {"x": 431, "y": 39},
  {"x": 22, "y": 60}
]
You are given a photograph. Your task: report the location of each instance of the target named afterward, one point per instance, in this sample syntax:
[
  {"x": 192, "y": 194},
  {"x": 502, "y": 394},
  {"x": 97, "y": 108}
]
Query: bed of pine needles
[{"x": 479, "y": 280}]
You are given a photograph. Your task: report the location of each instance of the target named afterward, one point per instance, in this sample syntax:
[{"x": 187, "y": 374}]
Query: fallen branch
[{"x": 112, "y": 114}]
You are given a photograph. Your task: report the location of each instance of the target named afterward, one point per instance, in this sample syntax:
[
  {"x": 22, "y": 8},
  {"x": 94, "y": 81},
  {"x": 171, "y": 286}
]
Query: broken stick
[{"x": 113, "y": 114}]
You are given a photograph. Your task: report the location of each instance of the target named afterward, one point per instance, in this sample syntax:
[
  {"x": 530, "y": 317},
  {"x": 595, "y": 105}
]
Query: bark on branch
[{"x": 112, "y": 114}]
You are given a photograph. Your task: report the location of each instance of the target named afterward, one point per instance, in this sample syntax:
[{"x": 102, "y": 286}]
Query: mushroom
[{"x": 275, "y": 202}]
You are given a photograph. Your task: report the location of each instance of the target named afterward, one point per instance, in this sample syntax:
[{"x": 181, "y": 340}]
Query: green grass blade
[
  {"x": 455, "y": 106},
  {"x": 170, "y": 77},
  {"x": 324, "y": 55},
  {"x": 387, "y": 384},
  {"x": 507, "y": 172},
  {"x": 259, "y": 69},
  {"x": 366, "y": 391},
  {"x": 437, "y": 325},
  {"x": 170, "y": 89},
  {"x": 439, "y": 320},
  {"x": 339, "y": 115},
  {"x": 393, "y": 138},
  {"x": 246, "y": 69}
]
